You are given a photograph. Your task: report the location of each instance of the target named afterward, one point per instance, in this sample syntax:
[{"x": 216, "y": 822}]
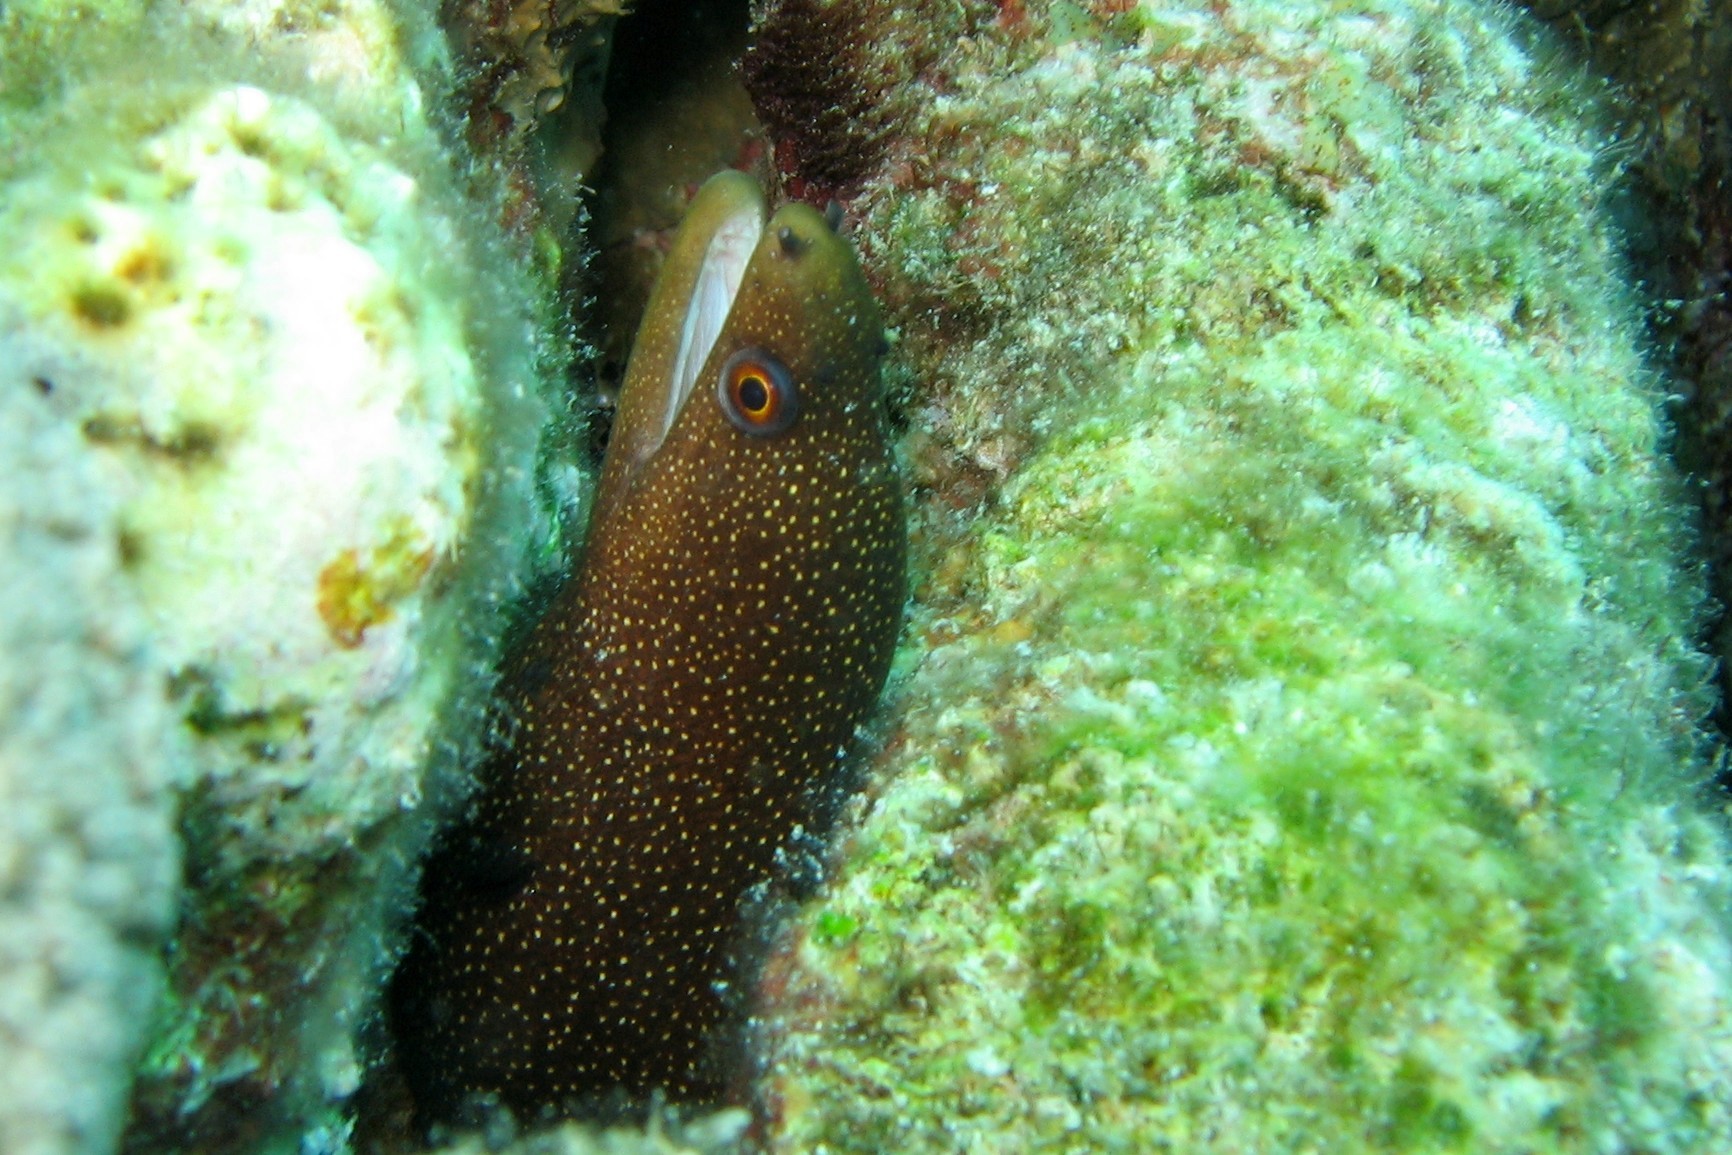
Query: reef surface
[
  {"x": 89, "y": 862},
  {"x": 1297, "y": 743},
  {"x": 271, "y": 340},
  {"x": 1300, "y": 746}
]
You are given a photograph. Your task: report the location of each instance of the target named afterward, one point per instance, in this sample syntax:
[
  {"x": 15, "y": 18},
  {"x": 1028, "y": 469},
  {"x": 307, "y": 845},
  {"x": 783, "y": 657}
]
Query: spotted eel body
[{"x": 687, "y": 698}]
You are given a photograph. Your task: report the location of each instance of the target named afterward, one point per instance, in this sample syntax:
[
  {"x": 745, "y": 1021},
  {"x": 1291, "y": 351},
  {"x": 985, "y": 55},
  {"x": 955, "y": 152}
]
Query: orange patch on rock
[{"x": 358, "y": 591}]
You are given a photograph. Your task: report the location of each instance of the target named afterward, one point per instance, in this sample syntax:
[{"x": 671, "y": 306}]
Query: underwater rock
[
  {"x": 1300, "y": 741},
  {"x": 714, "y": 1134},
  {"x": 526, "y": 54},
  {"x": 293, "y": 357},
  {"x": 1297, "y": 743},
  {"x": 829, "y": 95},
  {"x": 1671, "y": 65},
  {"x": 1669, "y": 61},
  {"x": 531, "y": 75},
  {"x": 89, "y": 751}
]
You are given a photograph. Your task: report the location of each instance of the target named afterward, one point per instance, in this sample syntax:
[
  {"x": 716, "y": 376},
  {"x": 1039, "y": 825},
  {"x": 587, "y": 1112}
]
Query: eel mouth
[{"x": 712, "y": 299}]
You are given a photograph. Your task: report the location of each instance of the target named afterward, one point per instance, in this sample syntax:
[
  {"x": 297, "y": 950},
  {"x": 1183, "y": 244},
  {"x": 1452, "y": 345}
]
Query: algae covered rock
[
  {"x": 1301, "y": 741},
  {"x": 274, "y": 331},
  {"x": 89, "y": 864},
  {"x": 1669, "y": 61},
  {"x": 1298, "y": 742}
]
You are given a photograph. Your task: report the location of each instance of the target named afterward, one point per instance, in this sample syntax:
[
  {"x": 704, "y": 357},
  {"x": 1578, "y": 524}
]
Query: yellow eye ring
[{"x": 757, "y": 393}]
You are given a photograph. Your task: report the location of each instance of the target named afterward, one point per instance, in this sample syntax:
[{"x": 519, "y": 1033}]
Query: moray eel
[{"x": 681, "y": 711}]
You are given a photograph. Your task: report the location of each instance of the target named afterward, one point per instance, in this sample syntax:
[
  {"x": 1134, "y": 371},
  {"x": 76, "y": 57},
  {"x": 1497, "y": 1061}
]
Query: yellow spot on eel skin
[{"x": 688, "y": 697}]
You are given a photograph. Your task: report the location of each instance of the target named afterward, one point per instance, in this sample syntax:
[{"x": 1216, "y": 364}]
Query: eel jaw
[{"x": 712, "y": 299}]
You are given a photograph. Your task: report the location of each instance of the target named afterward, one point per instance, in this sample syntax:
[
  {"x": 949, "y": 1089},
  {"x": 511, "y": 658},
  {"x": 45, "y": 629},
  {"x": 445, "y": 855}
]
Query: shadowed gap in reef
[{"x": 676, "y": 114}]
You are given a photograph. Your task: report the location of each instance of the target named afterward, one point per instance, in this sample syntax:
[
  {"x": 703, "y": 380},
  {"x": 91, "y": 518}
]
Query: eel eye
[{"x": 758, "y": 393}]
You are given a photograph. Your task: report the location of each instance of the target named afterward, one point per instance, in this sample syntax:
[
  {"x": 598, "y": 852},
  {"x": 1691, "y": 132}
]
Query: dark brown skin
[{"x": 678, "y": 710}]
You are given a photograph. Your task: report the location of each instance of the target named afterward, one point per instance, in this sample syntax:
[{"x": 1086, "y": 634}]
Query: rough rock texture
[
  {"x": 1670, "y": 61},
  {"x": 88, "y": 754},
  {"x": 1298, "y": 743},
  {"x": 712, "y": 1134},
  {"x": 1300, "y": 747},
  {"x": 533, "y": 72},
  {"x": 286, "y": 352}
]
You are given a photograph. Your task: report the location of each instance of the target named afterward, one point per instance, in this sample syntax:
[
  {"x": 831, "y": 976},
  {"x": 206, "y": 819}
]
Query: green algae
[
  {"x": 1303, "y": 752},
  {"x": 1298, "y": 738}
]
